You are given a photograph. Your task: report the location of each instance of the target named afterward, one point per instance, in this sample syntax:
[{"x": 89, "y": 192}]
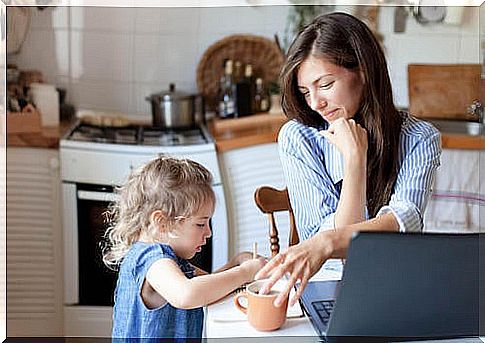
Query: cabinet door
[
  {"x": 34, "y": 269},
  {"x": 243, "y": 171}
]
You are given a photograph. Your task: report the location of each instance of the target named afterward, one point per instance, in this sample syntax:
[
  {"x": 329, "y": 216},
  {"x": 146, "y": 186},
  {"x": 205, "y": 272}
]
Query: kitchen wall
[{"x": 112, "y": 58}]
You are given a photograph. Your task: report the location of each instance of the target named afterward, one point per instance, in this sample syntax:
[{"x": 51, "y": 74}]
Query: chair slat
[{"x": 270, "y": 200}]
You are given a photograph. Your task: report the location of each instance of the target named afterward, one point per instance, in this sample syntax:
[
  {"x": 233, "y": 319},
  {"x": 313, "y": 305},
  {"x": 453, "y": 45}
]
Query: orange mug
[{"x": 261, "y": 312}]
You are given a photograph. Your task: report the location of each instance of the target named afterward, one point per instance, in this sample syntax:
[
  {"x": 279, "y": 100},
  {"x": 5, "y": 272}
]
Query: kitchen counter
[
  {"x": 229, "y": 134},
  {"x": 48, "y": 138},
  {"x": 244, "y": 132}
]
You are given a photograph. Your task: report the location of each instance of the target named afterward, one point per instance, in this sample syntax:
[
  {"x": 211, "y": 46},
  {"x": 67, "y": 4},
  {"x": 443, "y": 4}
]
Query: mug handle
[{"x": 238, "y": 304}]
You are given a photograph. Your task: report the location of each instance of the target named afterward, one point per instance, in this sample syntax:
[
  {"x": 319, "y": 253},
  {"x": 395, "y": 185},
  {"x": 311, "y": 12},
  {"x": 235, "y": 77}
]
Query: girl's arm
[
  {"x": 167, "y": 279},
  {"x": 235, "y": 261}
]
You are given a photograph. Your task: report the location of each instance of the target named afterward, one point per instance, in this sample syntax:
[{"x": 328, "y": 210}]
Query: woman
[{"x": 351, "y": 160}]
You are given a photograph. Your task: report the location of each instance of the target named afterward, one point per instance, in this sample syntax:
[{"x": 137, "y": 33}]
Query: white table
[{"x": 223, "y": 320}]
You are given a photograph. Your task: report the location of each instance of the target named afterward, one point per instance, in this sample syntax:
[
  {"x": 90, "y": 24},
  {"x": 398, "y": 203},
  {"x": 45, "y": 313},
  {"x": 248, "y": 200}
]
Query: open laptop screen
[{"x": 407, "y": 285}]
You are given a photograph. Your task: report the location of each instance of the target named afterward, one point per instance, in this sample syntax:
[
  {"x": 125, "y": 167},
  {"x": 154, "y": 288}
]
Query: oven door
[{"x": 88, "y": 281}]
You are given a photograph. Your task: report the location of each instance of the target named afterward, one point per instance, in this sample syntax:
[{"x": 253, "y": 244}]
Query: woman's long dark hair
[{"x": 344, "y": 40}]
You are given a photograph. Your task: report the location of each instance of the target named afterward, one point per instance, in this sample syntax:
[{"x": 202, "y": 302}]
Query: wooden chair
[{"x": 270, "y": 200}]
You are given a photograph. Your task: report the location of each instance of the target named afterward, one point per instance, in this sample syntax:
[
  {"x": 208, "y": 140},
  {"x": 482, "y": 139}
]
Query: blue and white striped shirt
[{"x": 313, "y": 169}]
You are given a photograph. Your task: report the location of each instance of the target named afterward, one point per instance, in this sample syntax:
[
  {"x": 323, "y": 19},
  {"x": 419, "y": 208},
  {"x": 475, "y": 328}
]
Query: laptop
[{"x": 401, "y": 285}]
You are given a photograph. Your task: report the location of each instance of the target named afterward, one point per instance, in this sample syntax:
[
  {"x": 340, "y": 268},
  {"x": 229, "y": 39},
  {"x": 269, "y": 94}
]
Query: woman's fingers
[
  {"x": 303, "y": 283},
  {"x": 293, "y": 279},
  {"x": 278, "y": 273},
  {"x": 268, "y": 268}
]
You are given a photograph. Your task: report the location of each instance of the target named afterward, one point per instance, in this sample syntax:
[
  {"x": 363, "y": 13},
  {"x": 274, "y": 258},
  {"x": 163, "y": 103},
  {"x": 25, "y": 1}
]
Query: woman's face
[{"x": 332, "y": 91}]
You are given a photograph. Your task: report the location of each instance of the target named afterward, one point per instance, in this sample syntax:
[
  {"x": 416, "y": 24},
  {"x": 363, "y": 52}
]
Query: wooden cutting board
[{"x": 443, "y": 90}]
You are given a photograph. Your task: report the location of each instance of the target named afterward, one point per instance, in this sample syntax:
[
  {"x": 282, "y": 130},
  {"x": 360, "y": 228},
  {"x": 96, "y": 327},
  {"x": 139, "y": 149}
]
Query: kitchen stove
[
  {"x": 139, "y": 135},
  {"x": 94, "y": 160}
]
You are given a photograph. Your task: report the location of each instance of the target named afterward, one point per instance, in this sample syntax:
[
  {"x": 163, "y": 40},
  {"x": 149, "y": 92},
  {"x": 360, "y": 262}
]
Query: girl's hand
[
  {"x": 242, "y": 257},
  {"x": 300, "y": 262},
  {"x": 349, "y": 137},
  {"x": 252, "y": 266}
]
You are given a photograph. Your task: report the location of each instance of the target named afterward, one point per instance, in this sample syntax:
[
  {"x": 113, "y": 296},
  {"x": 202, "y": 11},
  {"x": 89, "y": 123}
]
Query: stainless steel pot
[{"x": 175, "y": 109}]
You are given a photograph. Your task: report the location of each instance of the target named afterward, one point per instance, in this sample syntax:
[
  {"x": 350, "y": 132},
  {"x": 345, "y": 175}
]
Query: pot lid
[{"x": 171, "y": 94}]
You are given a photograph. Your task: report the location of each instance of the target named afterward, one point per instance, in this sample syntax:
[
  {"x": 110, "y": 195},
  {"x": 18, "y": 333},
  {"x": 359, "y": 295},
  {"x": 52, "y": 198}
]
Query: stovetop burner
[{"x": 138, "y": 135}]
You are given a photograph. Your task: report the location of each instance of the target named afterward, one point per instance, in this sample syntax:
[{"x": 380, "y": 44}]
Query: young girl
[{"x": 160, "y": 221}]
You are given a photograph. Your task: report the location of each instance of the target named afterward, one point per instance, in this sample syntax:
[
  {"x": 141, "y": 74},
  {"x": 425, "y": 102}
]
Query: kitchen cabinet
[
  {"x": 34, "y": 242},
  {"x": 244, "y": 170},
  {"x": 455, "y": 205},
  {"x": 249, "y": 158}
]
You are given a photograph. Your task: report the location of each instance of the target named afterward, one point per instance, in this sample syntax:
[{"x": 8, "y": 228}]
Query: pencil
[{"x": 255, "y": 250}]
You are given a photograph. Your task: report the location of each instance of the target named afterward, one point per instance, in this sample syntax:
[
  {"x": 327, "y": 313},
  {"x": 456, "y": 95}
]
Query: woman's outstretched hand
[{"x": 300, "y": 262}]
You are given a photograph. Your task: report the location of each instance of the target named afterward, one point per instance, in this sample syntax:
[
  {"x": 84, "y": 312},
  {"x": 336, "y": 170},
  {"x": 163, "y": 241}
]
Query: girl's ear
[{"x": 157, "y": 217}]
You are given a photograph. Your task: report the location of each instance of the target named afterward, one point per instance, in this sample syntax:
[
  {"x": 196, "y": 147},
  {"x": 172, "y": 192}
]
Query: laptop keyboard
[{"x": 324, "y": 308}]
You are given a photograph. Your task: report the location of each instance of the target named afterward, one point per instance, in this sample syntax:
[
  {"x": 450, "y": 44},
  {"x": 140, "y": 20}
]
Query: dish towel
[{"x": 459, "y": 195}]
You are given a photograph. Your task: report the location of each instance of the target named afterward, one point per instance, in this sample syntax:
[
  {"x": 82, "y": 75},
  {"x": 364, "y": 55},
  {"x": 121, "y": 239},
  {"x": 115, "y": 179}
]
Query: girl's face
[
  {"x": 191, "y": 233},
  {"x": 330, "y": 90}
]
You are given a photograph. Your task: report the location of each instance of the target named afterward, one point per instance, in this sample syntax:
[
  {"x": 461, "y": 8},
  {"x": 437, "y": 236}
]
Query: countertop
[
  {"x": 263, "y": 128},
  {"x": 48, "y": 138},
  {"x": 229, "y": 134}
]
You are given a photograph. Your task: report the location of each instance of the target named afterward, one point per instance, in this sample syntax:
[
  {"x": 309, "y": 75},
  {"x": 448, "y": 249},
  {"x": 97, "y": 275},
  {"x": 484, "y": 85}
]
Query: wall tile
[
  {"x": 469, "y": 49},
  {"x": 104, "y": 19},
  {"x": 50, "y": 17},
  {"x": 146, "y": 63},
  {"x": 102, "y": 56},
  {"x": 109, "y": 96},
  {"x": 147, "y": 20},
  {"x": 181, "y": 60},
  {"x": 140, "y": 106},
  {"x": 47, "y": 52},
  {"x": 231, "y": 20},
  {"x": 143, "y": 49},
  {"x": 179, "y": 20}
]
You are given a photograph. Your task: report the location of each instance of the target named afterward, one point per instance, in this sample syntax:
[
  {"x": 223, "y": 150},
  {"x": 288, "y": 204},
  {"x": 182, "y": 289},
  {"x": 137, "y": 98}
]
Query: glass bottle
[
  {"x": 243, "y": 95},
  {"x": 226, "y": 101},
  {"x": 261, "y": 98}
]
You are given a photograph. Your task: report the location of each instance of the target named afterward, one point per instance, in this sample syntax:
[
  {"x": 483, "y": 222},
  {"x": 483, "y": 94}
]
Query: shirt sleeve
[
  {"x": 313, "y": 195},
  {"x": 414, "y": 182}
]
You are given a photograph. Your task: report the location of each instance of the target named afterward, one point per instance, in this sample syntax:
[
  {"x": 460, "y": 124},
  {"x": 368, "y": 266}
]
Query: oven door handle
[{"x": 97, "y": 196}]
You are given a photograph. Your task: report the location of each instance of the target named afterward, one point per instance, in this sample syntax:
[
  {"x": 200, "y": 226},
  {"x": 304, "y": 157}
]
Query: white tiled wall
[
  {"x": 433, "y": 43},
  {"x": 112, "y": 58}
]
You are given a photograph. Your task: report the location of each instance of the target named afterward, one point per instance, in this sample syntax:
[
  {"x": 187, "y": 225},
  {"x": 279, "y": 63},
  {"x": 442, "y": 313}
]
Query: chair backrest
[{"x": 270, "y": 200}]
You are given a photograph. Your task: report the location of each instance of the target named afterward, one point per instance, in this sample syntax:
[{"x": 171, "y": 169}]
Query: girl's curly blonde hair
[{"x": 177, "y": 187}]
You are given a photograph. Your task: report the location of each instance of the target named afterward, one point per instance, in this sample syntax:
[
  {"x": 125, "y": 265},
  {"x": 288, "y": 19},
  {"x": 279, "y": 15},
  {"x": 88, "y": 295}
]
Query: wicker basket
[{"x": 264, "y": 55}]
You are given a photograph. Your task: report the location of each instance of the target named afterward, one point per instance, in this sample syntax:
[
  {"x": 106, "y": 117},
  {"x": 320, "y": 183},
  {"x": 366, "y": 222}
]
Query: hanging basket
[{"x": 262, "y": 53}]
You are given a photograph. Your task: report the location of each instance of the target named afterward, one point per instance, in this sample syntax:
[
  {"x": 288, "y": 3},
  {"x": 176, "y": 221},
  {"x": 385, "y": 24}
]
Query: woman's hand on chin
[
  {"x": 349, "y": 138},
  {"x": 299, "y": 262}
]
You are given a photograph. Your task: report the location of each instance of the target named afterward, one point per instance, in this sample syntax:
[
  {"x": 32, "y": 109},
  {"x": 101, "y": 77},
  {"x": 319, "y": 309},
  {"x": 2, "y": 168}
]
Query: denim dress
[{"x": 131, "y": 318}]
